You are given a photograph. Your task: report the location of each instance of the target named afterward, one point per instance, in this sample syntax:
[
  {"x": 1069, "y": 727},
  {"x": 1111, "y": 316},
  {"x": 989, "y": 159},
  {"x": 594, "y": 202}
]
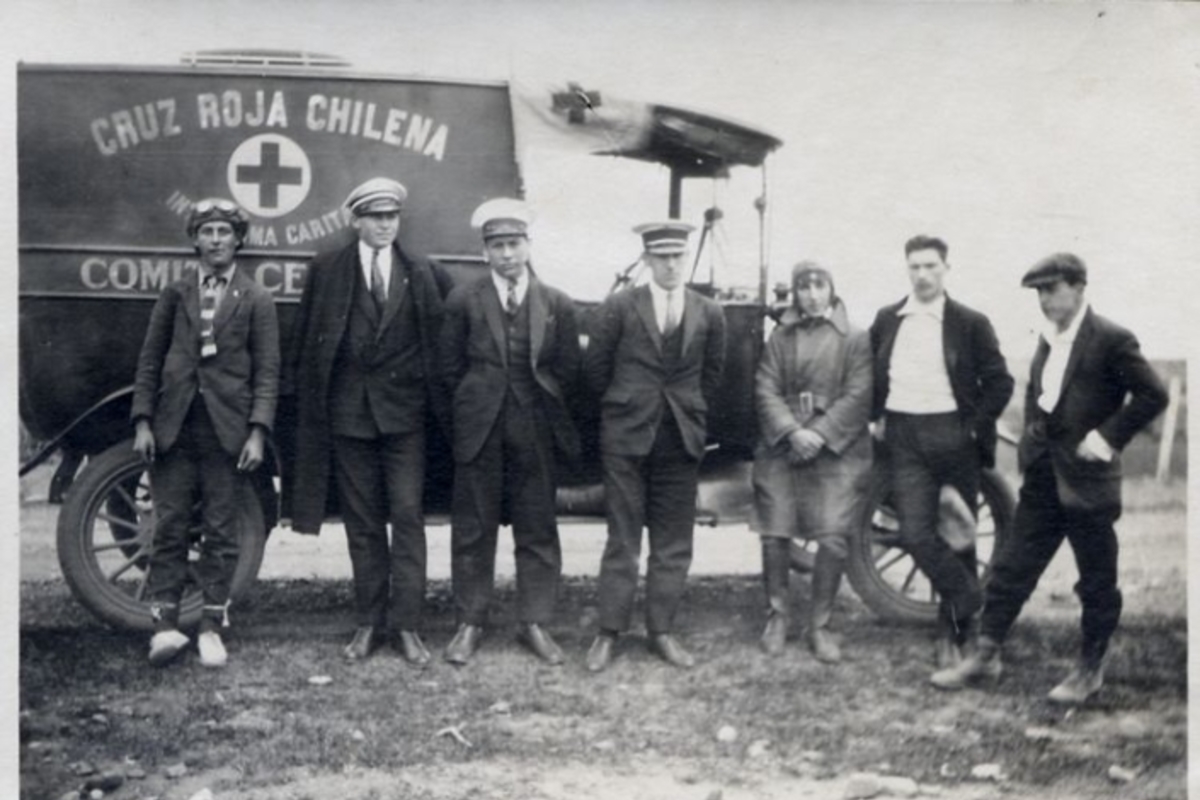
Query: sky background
[{"x": 1012, "y": 131}]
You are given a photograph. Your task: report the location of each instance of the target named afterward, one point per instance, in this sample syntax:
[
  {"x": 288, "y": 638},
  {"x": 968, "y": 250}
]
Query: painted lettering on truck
[{"x": 125, "y": 128}]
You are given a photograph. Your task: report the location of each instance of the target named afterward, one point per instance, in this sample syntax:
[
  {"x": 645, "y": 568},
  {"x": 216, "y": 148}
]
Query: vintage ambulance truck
[{"x": 110, "y": 159}]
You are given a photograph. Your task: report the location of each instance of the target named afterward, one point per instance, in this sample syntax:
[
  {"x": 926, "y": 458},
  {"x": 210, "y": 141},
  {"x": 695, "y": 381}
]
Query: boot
[
  {"x": 776, "y": 566},
  {"x": 983, "y": 664},
  {"x": 826, "y": 579}
]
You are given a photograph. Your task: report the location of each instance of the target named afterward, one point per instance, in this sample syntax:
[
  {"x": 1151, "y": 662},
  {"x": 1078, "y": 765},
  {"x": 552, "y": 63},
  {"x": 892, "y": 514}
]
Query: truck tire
[
  {"x": 883, "y": 574},
  {"x": 105, "y": 534}
]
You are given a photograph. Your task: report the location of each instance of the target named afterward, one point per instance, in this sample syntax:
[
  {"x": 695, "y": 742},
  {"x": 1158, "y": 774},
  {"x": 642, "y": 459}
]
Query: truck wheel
[
  {"x": 105, "y": 536},
  {"x": 885, "y": 576}
]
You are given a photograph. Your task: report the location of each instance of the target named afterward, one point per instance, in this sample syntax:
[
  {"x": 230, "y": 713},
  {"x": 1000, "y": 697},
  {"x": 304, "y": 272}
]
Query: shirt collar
[
  {"x": 502, "y": 283},
  {"x": 204, "y": 272},
  {"x": 1052, "y": 334},
  {"x": 935, "y": 309},
  {"x": 365, "y": 250},
  {"x": 660, "y": 294}
]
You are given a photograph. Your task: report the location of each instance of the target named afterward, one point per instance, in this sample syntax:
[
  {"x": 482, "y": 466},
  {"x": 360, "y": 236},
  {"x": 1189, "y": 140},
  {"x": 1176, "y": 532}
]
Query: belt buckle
[{"x": 807, "y": 406}]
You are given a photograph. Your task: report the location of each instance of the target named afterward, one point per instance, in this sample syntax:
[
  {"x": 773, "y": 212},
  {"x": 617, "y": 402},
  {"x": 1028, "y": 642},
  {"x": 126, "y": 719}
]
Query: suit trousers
[
  {"x": 1039, "y": 527},
  {"x": 657, "y": 490},
  {"x": 926, "y": 452},
  {"x": 511, "y": 479},
  {"x": 195, "y": 468},
  {"x": 379, "y": 481}
]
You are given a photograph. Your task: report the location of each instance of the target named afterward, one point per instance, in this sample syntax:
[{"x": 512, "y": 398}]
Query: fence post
[{"x": 1167, "y": 442}]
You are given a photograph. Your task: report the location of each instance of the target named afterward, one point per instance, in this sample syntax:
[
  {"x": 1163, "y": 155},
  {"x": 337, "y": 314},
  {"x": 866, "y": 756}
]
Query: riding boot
[
  {"x": 826, "y": 579},
  {"x": 776, "y": 566}
]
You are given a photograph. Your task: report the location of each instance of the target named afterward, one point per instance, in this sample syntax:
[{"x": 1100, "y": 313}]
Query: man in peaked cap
[
  {"x": 361, "y": 366},
  {"x": 510, "y": 360},
  {"x": 1090, "y": 391},
  {"x": 203, "y": 403},
  {"x": 655, "y": 358}
]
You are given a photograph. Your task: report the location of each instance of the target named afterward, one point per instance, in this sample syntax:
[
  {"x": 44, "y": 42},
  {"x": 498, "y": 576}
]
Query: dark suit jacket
[
  {"x": 1104, "y": 370},
  {"x": 979, "y": 377},
  {"x": 474, "y": 352},
  {"x": 318, "y": 331},
  {"x": 625, "y": 366},
  {"x": 239, "y": 384}
]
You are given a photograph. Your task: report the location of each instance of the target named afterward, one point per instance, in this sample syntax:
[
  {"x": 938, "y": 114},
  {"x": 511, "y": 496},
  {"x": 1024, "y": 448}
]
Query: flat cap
[
  {"x": 376, "y": 196},
  {"x": 502, "y": 216},
  {"x": 670, "y": 236},
  {"x": 1058, "y": 267}
]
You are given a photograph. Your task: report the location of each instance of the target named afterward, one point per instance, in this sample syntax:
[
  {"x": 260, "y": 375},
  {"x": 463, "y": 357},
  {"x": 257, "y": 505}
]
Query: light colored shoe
[
  {"x": 1083, "y": 682},
  {"x": 165, "y": 645},
  {"x": 212, "y": 650},
  {"x": 982, "y": 665}
]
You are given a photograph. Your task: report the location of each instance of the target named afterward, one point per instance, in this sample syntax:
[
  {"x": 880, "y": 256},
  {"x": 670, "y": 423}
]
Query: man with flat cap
[
  {"x": 655, "y": 357},
  {"x": 1090, "y": 391},
  {"x": 510, "y": 362},
  {"x": 204, "y": 401},
  {"x": 362, "y": 367}
]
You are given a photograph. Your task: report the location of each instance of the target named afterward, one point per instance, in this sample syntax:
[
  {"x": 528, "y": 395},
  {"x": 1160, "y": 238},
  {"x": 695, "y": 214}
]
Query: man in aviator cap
[
  {"x": 510, "y": 360},
  {"x": 361, "y": 366},
  {"x": 1090, "y": 391},
  {"x": 203, "y": 403},
  {"x": 655, "y": 357}
]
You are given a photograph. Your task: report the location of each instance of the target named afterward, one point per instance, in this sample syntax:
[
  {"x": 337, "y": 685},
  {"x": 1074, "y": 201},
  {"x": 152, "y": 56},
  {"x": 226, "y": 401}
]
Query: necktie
[
  {"x": 671, "y": 321},
  {"x": 210, "y": 297},
  {"x": 510, "y": 303},
  {"x": 378, "y": 291}
]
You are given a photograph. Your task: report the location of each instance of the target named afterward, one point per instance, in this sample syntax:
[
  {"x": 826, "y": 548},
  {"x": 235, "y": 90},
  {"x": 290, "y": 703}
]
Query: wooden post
[{"x": 1167, "y": 442}]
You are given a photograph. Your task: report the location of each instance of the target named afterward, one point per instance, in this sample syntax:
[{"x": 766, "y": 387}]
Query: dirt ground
[{"x": 262, "y": 730}]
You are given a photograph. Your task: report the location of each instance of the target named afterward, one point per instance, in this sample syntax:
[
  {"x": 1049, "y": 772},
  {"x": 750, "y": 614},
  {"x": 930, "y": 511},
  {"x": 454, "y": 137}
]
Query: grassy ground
[{"x": 260, "y": 729}]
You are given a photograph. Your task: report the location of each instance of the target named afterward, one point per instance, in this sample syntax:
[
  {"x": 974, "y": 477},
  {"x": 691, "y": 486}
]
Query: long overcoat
[
  {"x": 320, "y": 326},
  {"x": 830, "y": 361}
]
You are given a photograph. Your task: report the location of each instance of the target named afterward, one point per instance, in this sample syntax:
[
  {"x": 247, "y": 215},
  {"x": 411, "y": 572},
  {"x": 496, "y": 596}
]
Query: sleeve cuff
[{"x": 1098, "y": 446}]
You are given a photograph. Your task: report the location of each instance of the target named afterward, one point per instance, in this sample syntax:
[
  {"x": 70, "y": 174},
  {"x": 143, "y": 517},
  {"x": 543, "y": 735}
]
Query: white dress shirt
[
  {"x": 1055, "y": 370},
  {"x": 385, "y": 264},
  {"x": 918, "y": 382},
  {"x": 659, "y": 296},
  {"x": 501, "y": 284}
]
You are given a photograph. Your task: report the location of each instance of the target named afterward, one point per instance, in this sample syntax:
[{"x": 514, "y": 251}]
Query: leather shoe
[
  {"x": 362, "y": 645},
  {"x": 600, "y": 654},
  {"x": 946, "y": 654},
  {"x": 463, "y": 645},
  {"x": 1083, "y": 682},
  {"x": 412, "y": 648},
  {"x": 539, "y": 641},
  {"x": 982, "y": 665},
  {"x": 670, "y": 650}
]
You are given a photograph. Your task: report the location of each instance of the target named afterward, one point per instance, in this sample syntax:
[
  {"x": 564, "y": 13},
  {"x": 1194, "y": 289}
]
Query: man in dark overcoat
[
  {"x": 655, "y": 358},
  {"x": 204, "y": 401},
  {"x": 1090, "y": 391},
  {"x": 510, "y": 360},
  {"x": 362, "y": 368},
  {"x": 940, "y": 384}
]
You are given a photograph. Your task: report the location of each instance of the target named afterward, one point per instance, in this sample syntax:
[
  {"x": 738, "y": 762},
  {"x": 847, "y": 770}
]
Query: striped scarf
[{"x": 212, "y": 290}]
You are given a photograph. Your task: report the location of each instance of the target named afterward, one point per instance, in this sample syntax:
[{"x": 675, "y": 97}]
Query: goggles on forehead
[
  {"x": 218, "y": 208},
  {"x": 208, "y": 205}
]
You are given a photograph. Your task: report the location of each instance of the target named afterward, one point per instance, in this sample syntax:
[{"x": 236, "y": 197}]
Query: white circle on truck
[{"x": 269, "y": 175}]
